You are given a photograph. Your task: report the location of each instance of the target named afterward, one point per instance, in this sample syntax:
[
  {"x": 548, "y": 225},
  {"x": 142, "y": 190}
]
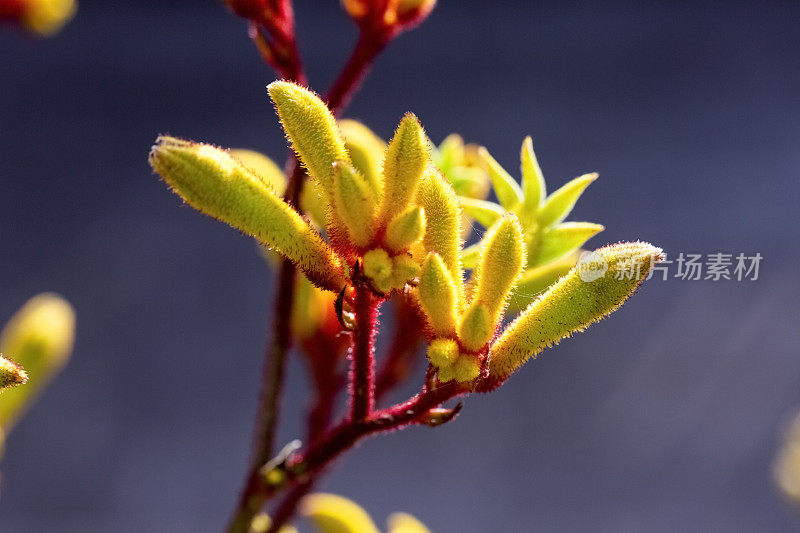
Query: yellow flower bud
[
  {"x": 355, "y": 203},
  {"x": 11, "y": 374},
  {"x": 215, "y": 183},
  {"x": 476, "y": 328},
  {"x": 47, "y": 17},
  {"x": 366, "y": 152},
  {"x": 438, "y": 295},
  {"x": 466, "y": 368},
  {"x": 312, "y": 130},
  {"x": 404, "y": 269},
  {"x": 443, "y": 352},
  {"x": 443, "y": 221},
  {"x": 405, "y": 523},
  {"x": 405, "y": 229},
  {"x": 378, "y": 268},
  {"x": 594, "y": 288},
  {"x": 334, "y": 514},
  {"x": 407, "y": 157},
  {"x": 262, "y": 522},
  {"x": 39, "y": 337},
  {"x": 500, "y": 263}
]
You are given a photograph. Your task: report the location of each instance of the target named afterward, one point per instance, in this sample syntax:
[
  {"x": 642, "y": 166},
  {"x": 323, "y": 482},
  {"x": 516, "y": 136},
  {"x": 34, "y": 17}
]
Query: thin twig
[{"x": 362, "y": 352}]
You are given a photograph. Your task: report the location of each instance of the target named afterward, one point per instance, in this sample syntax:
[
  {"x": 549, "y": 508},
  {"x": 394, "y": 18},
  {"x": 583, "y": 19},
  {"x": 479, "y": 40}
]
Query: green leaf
[
  {"x": 559, "y": 204},
  {"x": 508, "y": 192},
  {"x": 485, "y": 213},
  {"x": 562, "y": 239}
]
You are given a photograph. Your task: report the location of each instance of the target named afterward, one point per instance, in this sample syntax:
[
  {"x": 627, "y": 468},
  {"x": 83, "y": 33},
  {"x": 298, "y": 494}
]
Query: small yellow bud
[
  {"x": 438, "y": 295},
  {"x": 355, "y": 203},
  {"x": 446, "y": 373},
  {"x": 213, "y": 182},
  {"x": 404, "y": 269},
  {"x": 11, "y": 374},
  {"x": 46, "y": 17},
  {"x": 443, "y": 352},
  {"x": 312, "y": 130},
  {"x": 466, "y": 368},
  {"x": 378, "y": 268},
  {"x": 405, "y": 229},
  {"x": 366, "y": 152},
  {"x": 407, "y": 157},
  {"x": 443, "y": 221},
  {"x": 499, "y": 266},
  {"x": 39, "y": 337},
  {"x": 334, "y": 514},
  {"x": 594, "y": 288},
  {"x": 476, "y": 327},
  {"x": 262, "y": 167}
]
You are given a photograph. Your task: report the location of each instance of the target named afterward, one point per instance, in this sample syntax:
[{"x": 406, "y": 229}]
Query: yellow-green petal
[
  {"x": 505, "y": 187},
  {"x": 405, "y": 229},
  {"x": 484, "y": 212},
  {"x": 559, "y": 204},
  {"x": 558, "y": 241},
  {"x": 536, "y": 280},
  {"x": 534, "y": 189}
]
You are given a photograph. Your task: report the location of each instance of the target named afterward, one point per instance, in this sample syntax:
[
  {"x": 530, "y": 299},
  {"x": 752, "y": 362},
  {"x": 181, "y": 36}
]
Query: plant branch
[
  {"x": 370, "y": 44},
  {"x": 362, "y": 352}
]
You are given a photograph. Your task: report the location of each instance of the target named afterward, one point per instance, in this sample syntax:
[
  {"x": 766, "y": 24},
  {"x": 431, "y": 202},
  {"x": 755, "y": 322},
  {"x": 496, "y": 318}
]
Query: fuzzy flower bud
[
  {"x": 443, "y": 221},
  {"x": 355, "y": 203},
  {"x": 11, "y": 374},
  {"x": 438, "y": 295},
  {"x": 405, "y": 229},
  {"x": 406, "y": 158},
  {"x": 366, "y": 151},
  {"x": 594, "y": 288},
  {"x": 215, "y": 183}
]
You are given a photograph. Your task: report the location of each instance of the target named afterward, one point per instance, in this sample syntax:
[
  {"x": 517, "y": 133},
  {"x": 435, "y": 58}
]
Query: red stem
[
  {"x": 370, "y": 44},
  {"x": 362, "y": 352}
]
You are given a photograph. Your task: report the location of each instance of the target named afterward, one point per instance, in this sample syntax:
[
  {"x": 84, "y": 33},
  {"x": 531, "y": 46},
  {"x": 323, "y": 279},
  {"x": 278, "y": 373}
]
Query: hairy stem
[{"x": 362, "y": 353}]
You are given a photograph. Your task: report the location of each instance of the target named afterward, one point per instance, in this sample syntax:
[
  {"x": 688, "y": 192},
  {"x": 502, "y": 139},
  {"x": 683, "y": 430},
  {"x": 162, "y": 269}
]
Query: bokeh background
[{"x": 664, "y": 418}]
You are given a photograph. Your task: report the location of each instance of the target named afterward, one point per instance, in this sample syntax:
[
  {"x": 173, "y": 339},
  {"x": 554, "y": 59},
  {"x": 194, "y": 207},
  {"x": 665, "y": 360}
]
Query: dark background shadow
[{"x": 664, "y": 418}]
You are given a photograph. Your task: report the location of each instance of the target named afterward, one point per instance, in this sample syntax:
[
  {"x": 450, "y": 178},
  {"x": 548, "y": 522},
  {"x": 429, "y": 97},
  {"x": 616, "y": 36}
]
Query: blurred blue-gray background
[{"x": 664, "y": 418}]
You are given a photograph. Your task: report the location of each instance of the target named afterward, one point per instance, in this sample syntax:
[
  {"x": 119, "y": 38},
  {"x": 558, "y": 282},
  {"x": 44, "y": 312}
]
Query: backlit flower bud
[
  {"x": 405, "y": 229},
  {"x": 442, "y": 221},
  {"x": 406, "y": 158},
  {"x": 215, "y": 183},
  {"x": 595, "y": 287},
  {"x": 438, "y": 295},
  {"x": 334, "y": 514},
  {"x": 443, "y": 352},
  {"x": 355, "y": 203},
  {"x": 11, "y": 374},
  {"x": 366, "y": 152}
]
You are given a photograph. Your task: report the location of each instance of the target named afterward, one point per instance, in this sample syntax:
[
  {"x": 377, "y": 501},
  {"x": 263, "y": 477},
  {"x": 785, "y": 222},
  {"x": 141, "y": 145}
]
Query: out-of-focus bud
[
  {"x": 39, "y": 337},
  {"x": 262, "y": 167},
  {"x": 598, "y": 285},
  {"x": 42, "y": 17},
  {"x": 334, "y": 514},
  {"x": 412, "y": 12},
  {"x": 366, "y": 151},
  {"x": 787, "y": 464},
  {"x": 215, "y": 183},
  {"x": 405, "y": 523},
  {"x": 11, "y": 374},
  {"x": 262, "y": 522},
  {"x": 406, "y": 159}
]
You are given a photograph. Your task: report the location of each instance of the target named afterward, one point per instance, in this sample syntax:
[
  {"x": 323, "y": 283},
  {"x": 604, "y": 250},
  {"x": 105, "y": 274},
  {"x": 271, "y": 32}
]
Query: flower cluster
[{"x": 390, "y": 219}]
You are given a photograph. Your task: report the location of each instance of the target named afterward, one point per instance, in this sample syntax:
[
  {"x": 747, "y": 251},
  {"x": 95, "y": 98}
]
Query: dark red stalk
[{"x": 362, "y": 352}]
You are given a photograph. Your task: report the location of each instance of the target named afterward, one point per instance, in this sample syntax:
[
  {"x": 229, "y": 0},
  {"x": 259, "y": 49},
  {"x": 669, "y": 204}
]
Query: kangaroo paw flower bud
[
  {"x": 366, "y": 152},
  {"x": 476, "y": 328},
  {"x": 405, "y": 229},
  {"x": 594, "y": 288},
  {"x": 11, "y": 374},
  {"x": 311, "y": 128},
  {"x": 407, "y": 157},
  {"x": 443, "y": 352},
  {"x": 404, "y": 269},
  {"x": 39, "y": 337},
  {"x": 355, "y": 203},
  {"x": 443, "y": 221},
  {"x": 466, "y": 368},
  {"x": 215, "y": 183},
  {"x": 378, "y": 268},
  {"x": 438, "y": 295},
  {"x": 334, "y": 514},
  {"x": 499, "y": 265}
]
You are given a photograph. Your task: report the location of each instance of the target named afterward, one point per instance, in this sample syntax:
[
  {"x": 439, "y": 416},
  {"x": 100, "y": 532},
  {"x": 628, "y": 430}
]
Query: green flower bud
[
  {"x": 476, "y": 328},
  {"x": 466, "y": 368},
  {"x": 443, "y": 221},
  {"x": 378, "y": 268},
  {"x": 594, "y": 288},
  {"x": 404, "y": 269},
  {"x": 213, "y": 182},
  {"x": 366, "y": 152},
  {"x": 262, "y": 167}
]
